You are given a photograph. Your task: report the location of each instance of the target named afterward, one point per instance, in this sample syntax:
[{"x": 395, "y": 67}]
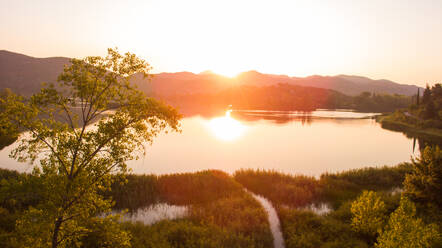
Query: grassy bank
[{"x": 411, "y": 127}]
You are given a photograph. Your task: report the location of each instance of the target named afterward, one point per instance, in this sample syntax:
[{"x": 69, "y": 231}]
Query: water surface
[
  {"x": 292, "y": 142},
  {"x": 157, "y": 212}
]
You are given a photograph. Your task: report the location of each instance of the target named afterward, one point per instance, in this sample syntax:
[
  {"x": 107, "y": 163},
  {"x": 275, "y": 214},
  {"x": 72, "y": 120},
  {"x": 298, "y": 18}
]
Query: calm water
[{"x": 292, "y": 142}]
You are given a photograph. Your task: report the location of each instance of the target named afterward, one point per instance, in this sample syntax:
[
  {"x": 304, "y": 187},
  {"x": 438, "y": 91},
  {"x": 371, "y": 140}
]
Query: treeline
[
  {"x": 281, "y": 97},
  {"x": 430, "y": 106},
  {"x": 375, "y": 102},
  {"x": 285, "y": 97},
  {"x": 422, "y": 119},
  {"x": 426, "y": 110}
]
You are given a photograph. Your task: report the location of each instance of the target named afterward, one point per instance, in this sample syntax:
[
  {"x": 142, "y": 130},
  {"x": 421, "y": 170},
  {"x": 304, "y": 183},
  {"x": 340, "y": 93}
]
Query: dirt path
[{"x": 275, "y": 227}]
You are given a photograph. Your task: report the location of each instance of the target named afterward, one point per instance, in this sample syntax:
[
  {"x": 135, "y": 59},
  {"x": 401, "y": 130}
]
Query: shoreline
[{"x": 410, "y": 130}]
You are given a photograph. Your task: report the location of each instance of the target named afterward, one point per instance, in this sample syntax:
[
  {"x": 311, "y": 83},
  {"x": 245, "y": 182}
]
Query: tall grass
[
  {"x": 295, "y": 191},
  {"x": 333, "y": 188},
  {"x": 179, "y": 189},
  {"x": 185, "y": 233},
  {"x": 217, "y": 204},
  {"x": 340, "y": 187}
]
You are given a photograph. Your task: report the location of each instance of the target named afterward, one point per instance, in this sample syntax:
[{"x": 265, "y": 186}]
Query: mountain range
[{"x": 24, "y": 75}]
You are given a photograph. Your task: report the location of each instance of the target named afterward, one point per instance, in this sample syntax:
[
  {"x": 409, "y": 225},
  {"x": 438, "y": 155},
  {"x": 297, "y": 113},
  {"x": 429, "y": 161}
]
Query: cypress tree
[{"x": 417, "y": 98}]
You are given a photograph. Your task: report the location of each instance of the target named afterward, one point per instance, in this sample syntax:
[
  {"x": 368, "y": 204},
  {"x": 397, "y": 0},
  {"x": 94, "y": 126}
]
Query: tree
[
  {"x": 430, "y": 111},
  {"x": 368, "y": 214},
  {"x": 81, "y": 132},
  {"x": 426, "y": 97},
  {"x": 6, "y": 137},
  {"x": 424, "y": 184},
  {"x": 407, "y": 231}
]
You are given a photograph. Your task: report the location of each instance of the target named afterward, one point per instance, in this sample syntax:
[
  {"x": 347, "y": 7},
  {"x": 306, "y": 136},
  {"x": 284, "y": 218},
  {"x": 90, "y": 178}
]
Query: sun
[
  {"x": 227, "y": 72},
  {"x": 226, "y": 128}
]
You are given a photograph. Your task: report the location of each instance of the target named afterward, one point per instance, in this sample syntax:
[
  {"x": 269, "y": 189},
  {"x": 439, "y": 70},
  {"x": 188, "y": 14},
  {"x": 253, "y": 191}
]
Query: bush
[
  {"x": 304, "y": 229},
  {"x": 369, "y": 214}
]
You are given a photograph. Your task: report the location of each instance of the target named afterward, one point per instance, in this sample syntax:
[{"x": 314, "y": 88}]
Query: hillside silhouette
[{"x": 24, "y": 75}]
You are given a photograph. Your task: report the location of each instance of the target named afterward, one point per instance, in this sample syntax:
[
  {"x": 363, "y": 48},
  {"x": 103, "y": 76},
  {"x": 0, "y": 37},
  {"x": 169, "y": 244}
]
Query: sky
[{"x": 400, "y": 40}]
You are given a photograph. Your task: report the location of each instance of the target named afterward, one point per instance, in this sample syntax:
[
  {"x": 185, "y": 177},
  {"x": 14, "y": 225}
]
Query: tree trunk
[{"x": 56, "y": 231}]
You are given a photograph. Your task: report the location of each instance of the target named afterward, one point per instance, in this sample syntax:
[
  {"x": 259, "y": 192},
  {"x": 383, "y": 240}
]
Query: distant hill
[
  {"x": 350, "y": 85},
  {"x": 24, "y": 75}
]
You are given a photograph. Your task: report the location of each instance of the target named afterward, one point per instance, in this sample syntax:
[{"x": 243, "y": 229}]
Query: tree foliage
[
  {"x": 6, "y": 137},
  {"x": 407, "y": 231},
  {"x": 78, "y": 134},
  {"x": 431, "y": 103},
  {"x": 369, "y": 214},
  {"x": 424, "y": 184}
]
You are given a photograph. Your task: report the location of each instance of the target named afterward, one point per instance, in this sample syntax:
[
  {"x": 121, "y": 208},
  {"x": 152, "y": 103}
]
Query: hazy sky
[{"x": 399, "y": 40}]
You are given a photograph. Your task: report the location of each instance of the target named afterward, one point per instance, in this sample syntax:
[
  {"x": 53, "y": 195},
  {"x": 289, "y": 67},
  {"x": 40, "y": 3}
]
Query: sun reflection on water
[{"x": 226, "y": 128}]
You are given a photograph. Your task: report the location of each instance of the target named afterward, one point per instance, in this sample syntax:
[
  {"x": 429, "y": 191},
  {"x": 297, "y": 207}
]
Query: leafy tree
[
  {"x": 6, "y": 137},
  {"x": 368, "y": 214},
  {"x": 424, "y": 183},
  {"x": 429, "y": 111},
  {"x": 405, "y": 230},
  {"x": 82, "y": 132},
  {"x": 426, "y": 97}
]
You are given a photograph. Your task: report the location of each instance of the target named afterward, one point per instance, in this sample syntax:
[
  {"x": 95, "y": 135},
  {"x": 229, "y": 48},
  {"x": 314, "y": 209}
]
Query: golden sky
[{"x": 400, "y": 40}]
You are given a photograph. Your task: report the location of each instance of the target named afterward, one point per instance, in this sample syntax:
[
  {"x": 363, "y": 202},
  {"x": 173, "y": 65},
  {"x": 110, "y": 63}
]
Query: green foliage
[
  {"x": 221, "y": 213},
  {"x": 367, "y": 101},
  {"x": 75, "y": 162},
  {"x": 239, "y": 214},
  {"x": 369, "y": 214},
  {"x": 372, "y": 178},
  {"x": 106, "y": 232},
  {"x": 405, "y": 230},
  {"x": 184, "y": 233},
  {"x": 180, "y": 189},
  {"x": 197, "y": 188},
  {"x": 7, "y": 136},
  {"x": 431, "y": 103},
  {"x": 422, "y": 121},
  {"x": 424, "y": 183},
  {"x": 304, "y": 229},
  {"x": 134, "y": 192},
  {"x": 337, "y": 188},
  {"x": 342, "y": 186},
  {"x": 216, "y": 202},
  {"x": 280, "y": 188},
  {"x": 286, "y": 97}
]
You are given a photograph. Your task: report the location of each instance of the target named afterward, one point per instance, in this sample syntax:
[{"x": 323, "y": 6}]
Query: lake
[{"x": 308, "y": 143}]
